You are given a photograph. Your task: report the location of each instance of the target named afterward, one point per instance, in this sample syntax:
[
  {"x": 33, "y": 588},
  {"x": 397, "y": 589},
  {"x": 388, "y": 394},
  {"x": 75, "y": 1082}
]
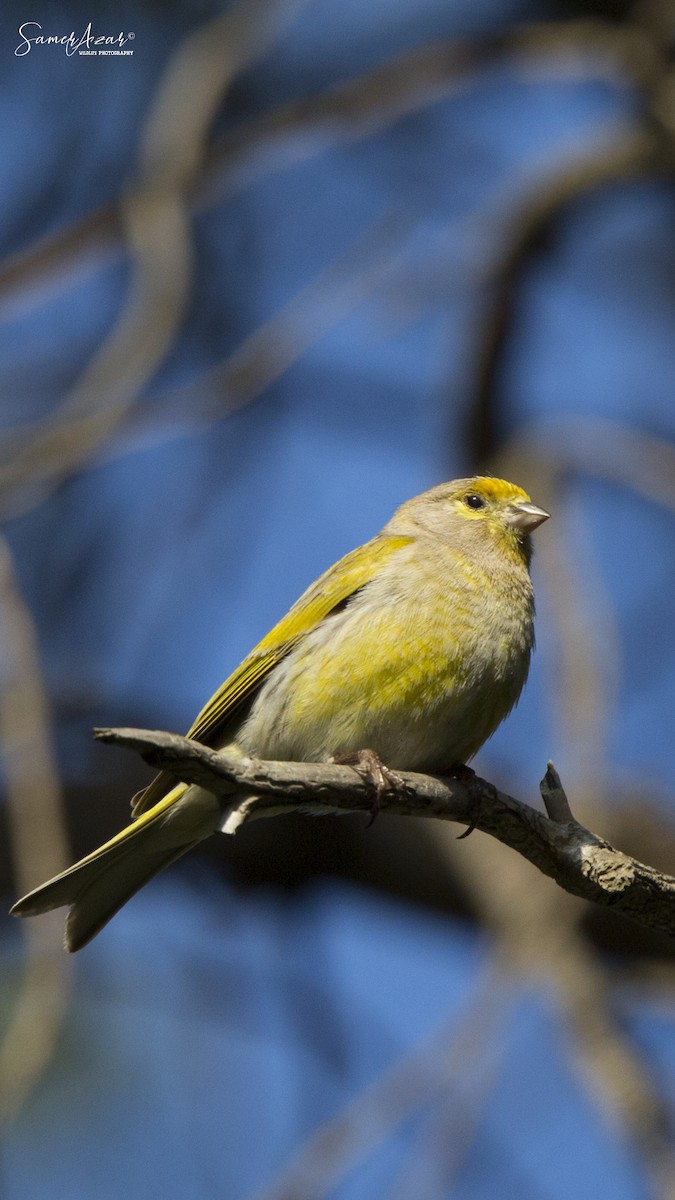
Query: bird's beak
[{"x": 525, "y": 516}]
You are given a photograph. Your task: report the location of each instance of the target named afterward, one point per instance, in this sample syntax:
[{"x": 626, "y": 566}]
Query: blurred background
[{"x": 286, "y": 264}]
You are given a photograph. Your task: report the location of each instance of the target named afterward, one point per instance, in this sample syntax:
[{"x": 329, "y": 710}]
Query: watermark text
[{"x": 31, "y": 35}]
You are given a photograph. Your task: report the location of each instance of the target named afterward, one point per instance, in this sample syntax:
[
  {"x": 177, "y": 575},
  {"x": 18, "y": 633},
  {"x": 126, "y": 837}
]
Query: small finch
[{"x": 406, "y": 654}]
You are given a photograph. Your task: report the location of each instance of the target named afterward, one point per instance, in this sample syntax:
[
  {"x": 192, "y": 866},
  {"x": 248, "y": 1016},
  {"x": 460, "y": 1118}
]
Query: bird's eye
[{"x": 473, "y": 500}]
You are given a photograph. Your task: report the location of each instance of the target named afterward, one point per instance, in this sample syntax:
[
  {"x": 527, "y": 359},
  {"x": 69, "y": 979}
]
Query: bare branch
[
  {"x": 555, "y": 799},
  {"x": 579, "y": 861}
]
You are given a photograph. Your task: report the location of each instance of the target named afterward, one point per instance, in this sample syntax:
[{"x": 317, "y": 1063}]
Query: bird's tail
[{"x": 97, "y": 886}]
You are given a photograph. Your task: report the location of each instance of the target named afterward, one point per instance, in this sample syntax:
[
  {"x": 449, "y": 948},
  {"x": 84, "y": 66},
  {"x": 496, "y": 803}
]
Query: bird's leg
[{"x": 371, "y": 768}]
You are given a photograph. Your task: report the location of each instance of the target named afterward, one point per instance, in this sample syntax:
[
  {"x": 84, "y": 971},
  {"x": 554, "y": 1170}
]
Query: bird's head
[{"x": 477, "y": 512}]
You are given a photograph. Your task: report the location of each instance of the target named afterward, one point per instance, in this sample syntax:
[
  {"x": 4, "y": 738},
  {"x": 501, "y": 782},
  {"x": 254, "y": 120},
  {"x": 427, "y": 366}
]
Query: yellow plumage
[{"x": 416, "y": 645}]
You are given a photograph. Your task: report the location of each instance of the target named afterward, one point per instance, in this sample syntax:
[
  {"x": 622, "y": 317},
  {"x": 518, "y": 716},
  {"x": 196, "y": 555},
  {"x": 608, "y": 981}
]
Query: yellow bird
[{"x": 414, "y": 648}]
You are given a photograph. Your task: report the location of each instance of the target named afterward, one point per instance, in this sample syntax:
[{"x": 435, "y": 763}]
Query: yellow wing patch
[{"x": 330, "y": 591}]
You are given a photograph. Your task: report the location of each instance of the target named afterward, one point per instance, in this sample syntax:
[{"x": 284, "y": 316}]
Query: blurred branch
[
  {"x": 38, "y": 842},
  {"x": 176, "y": 164},
  {"x": 642, "y": 45},
  {"x": 536, "y": 928},
  {"x": 451, "y": 1073},
  {"x": 366, "y": 266},
  {"x": 157, "y": 227},
  {"x": 154, "y": 221},
  {"x": 633, "y": 153},
  {"x": 369, "y": 264},
  {"x": 361, "y": 107},
  {"x": 352, "y": 109},
  {"x": 474, "y": 1060},
  {"x": 598, "y": 446},
  {"x": 550, "y": 454},
  {"x": 580, "y": 862}
]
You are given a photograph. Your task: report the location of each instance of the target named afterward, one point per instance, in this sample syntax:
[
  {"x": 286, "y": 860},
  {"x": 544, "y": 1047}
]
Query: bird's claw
[
  {"x": 370, "y": 767},
  {"x": 467, "y": 776}
]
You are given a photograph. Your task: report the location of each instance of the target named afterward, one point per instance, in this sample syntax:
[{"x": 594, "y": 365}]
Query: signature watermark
[{"x": 31, "y": 35}]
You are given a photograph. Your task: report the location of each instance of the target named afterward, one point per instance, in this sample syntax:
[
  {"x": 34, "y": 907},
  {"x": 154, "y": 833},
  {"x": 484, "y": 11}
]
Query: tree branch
[{"x": 579, "y": 861}]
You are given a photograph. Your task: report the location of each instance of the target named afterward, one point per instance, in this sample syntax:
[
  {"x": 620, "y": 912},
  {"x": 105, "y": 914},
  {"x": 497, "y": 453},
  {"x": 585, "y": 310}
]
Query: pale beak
[{"x": 525, "y": 516}]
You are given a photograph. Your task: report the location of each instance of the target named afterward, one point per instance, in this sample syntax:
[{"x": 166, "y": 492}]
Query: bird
[{"x": 406, "y": 654}]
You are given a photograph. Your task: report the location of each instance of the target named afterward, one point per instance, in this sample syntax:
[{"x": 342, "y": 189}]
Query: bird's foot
[
  {"x": 467, "y": 776},
  {"x": 370, "y": 767}
]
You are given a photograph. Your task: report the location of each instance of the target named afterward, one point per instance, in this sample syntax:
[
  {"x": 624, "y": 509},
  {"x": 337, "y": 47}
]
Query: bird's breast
[{"x": 423, "y": 674}]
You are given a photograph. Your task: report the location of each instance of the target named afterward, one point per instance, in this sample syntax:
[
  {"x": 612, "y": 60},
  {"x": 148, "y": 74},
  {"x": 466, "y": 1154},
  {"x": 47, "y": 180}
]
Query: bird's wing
[{"x": 331, "y": 591}]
